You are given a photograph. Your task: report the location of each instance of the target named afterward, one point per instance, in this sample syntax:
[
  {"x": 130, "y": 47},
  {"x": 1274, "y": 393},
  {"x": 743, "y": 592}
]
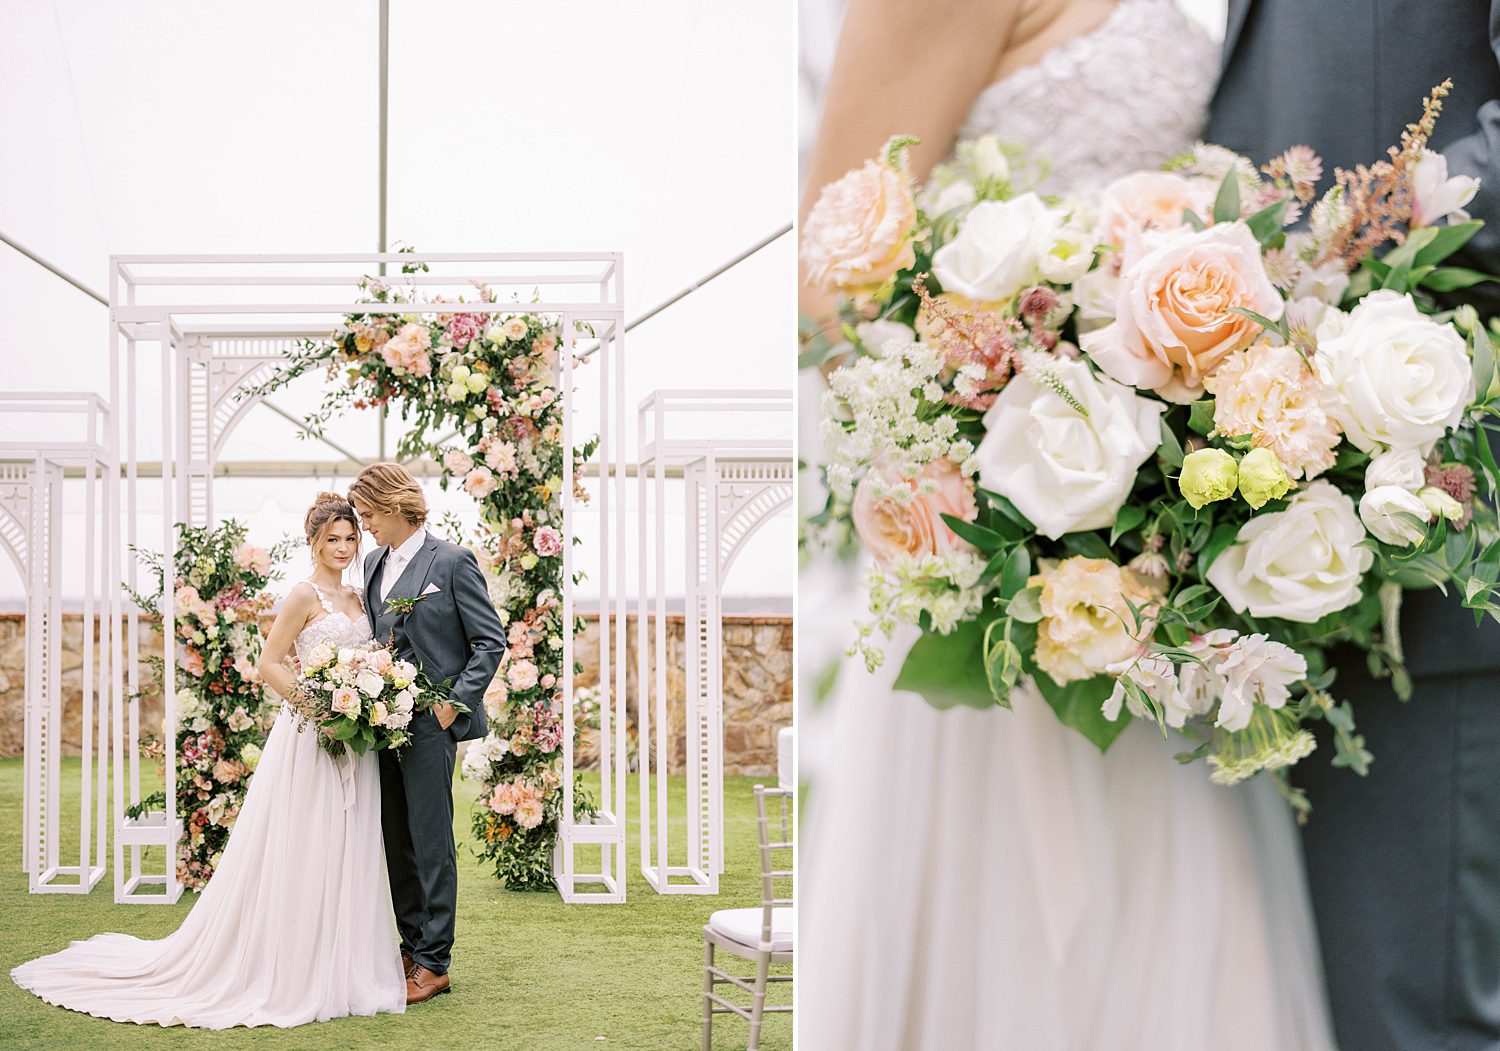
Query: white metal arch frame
[
  {"x": 731, "y": 488},
  {"x": 31, "y": 499},
  {"x": 218, "y": 322}
]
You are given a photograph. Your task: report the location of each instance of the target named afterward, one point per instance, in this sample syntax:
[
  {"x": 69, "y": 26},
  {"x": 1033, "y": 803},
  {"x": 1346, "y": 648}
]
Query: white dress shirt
[{"x": 395, "y": 562}]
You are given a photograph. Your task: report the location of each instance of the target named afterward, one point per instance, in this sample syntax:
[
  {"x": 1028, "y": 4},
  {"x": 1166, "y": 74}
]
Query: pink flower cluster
[
  {"x": 547, "y": 542},
  {"x": 409, "y": 349},
  {"x": 462, "y": 328},
  {"x": 519, "y": 799}
]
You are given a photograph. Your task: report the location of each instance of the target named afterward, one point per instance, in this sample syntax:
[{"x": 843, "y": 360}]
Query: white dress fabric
[
  {"x": 986, "y": 879},
  {"x": 296, "y": 924}
]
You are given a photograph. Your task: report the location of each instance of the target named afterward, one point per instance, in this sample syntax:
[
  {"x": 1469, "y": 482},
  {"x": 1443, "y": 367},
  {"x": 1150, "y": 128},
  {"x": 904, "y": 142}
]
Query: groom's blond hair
[{"x": 390, "y": 489}]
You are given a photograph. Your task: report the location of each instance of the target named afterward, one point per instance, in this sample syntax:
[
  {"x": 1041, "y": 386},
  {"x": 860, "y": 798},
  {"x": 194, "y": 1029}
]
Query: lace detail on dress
[
  {"x": 336, "y": 627},
  {"x": 1124, "y": 96}
]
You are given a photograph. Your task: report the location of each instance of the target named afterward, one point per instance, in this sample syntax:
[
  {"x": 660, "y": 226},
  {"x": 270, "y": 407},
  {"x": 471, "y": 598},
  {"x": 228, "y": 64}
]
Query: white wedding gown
[
  {"x": 296, "y": 924},
  {"x": 986, "y": 879}
]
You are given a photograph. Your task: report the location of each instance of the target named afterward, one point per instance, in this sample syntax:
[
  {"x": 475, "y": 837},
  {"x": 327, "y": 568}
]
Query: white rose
[
  {"x": 379, "y": 713},
  {"x": 1437, "y": 197},
  {"x": 1381, "y": 510},
  {"x": 997, "y": 249},
  {"x": 1401, "y": 379},
  {"x": 396, "y": 720},
  {"x": 989, "y": 159},
  {"x": 346, "y": 654},
  {"x": 404, "y": 701},
  {"x": 1299, "y": 564},
  {"x": 476, "y": 765},
  {"x": 877, "y": 335},
  {"x": 1064, "y": 471},
  {"x": 1401, "y": 468},
  {"x": 370, "y": 683},
  {"x": 318, "y": 656},
  {"x": 403, "y": 672}
]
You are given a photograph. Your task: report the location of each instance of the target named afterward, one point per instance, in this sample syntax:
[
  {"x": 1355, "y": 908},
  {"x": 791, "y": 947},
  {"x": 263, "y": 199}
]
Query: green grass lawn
[{"x": 529, "y": 973}]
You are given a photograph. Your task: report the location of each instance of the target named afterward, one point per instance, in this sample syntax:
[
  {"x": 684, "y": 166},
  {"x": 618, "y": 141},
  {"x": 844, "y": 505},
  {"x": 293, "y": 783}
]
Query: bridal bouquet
[
  {"x": 1155, "y": 449},
  {"x": 362, "y": 697}
]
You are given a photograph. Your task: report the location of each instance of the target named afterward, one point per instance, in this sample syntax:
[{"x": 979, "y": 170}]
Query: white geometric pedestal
[
  {"x": 731, "y": 487},
  {"x": 31, "y": 511}
]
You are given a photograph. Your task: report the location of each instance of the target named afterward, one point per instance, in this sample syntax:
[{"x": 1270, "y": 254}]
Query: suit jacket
[
  {"x": 1346, "y": 77},
  {"x": 452, "y": 633}
]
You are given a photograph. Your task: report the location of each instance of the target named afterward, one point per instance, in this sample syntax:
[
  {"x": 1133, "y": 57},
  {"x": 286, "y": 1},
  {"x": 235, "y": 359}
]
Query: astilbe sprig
[{"x": 1371, "y": 205}]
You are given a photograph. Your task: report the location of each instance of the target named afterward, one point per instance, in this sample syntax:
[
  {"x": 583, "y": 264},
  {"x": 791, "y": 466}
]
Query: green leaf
[
  {"x": 1190, "y": 217},
  {"x": 1016, "y": 572},
  {"x": 1201, "y": 417},
  {"x": 1278, "y": 327},
  {"x": 1080, "y": 705},
  {"x": 1089, "y": 545},
  {"x": 1002, "y": 663},
  {"x": 1267, "y": 223},
  {"x": 1227, "y": 203},
  {"x": 1008, "y": 509},
  {"x": 347, "y": 728},
  {"x": 1445, "y": 241},
  {"x": 1026, "y": 605},
  {"x": 980, "y": 537},
  {"x": 1171, "y": 448},
  {"x": 1223, "y": 535},
  {"x": 1453, "y": 278},
  {"x": 1482, "y": 350},
  {"x": 948, "y": 670},
  {"x": 1130, "y": 516}
]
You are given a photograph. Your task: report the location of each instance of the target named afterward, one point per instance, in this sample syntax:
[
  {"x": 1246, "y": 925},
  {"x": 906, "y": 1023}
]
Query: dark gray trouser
[
  {"x": 416, "y": 816},
  {"x": 1404, "y": 865}
]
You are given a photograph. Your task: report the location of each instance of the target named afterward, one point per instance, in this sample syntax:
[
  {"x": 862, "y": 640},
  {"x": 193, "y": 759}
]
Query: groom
[
  {"x": 448, "y": 627},
  {"x": 1404, "y": 866}
]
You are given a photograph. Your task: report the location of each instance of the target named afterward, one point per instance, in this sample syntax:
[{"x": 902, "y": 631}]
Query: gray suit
[
  {"x": 453, "y": 634},
  {"x": 1404, "y": 866}
]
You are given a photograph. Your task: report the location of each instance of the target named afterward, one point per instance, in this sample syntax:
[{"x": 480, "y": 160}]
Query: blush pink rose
[
  {"x": 1174, "y": 311},
  {"x": 1143, "y": 201},
  {"x": 480, "y": 482},
  {"x": 457, "y": 461},
  {"x": 547, "y": 541},
  {"x": 504, "y": 799},
  {"x": 379, "y": 661},
  {"x": 410, "y": 349},
  {"x": 891, "y": 528},
  {"x": 858, "y": 234},
  {"x": 255, "y": 559},
  {"x": 522, "y": 675},
  {"x": 346, "y": 701},
  {"x": 192, "y": 662}
]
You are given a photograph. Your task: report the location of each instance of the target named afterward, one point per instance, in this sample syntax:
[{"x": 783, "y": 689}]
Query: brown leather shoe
[
  {"x": 422, "y": 984},
  {"x": 407, "y": 963}
]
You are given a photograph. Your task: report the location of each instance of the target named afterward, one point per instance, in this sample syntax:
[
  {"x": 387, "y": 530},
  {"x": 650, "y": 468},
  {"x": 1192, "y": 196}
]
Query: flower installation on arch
[
  {"x": 218, "y": 596},
  {"x": 494, "y": 378},
  {"x": 1155, "y": 451}
]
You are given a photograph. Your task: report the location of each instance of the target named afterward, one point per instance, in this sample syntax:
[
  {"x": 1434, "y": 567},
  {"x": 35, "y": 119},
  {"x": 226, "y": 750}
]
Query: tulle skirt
[
  {"x": 986, "y": 879},
  {"x": 295, "y": 926}
]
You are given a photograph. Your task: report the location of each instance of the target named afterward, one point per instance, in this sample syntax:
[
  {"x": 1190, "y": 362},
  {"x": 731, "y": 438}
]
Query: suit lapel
[
  {"x": 371, "y": 598},
  {"x": 1238, "y": 10}
]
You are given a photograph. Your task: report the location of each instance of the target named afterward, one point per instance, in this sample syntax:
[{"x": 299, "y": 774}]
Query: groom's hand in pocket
[{"x": 445, "y": 713}]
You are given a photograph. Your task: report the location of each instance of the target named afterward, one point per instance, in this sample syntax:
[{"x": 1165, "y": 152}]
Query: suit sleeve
[
  {"x": 1478, "y": 154},
  {"x": 486, "y": 635}
]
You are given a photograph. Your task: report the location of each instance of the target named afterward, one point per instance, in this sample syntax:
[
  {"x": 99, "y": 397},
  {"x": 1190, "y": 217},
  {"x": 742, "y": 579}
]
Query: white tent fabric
[{"x": 660, "y": 130}]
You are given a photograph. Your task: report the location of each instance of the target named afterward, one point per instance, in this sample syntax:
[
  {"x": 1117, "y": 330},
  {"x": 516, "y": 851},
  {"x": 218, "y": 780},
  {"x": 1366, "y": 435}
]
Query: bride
[
  {"x": 986, "y": 879},
  {"x": 296, "y": 924}
]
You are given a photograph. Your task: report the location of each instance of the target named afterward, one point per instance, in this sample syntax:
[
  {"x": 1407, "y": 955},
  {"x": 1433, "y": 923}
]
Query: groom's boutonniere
[{"x": 402, "y": 606}]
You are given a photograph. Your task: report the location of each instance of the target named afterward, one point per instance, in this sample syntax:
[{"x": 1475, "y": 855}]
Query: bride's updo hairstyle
[{"x": 327, "y": 509}]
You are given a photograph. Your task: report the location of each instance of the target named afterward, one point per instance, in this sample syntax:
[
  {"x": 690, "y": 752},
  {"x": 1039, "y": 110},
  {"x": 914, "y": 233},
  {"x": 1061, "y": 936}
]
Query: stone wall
[{"x": 757, "y": 684}]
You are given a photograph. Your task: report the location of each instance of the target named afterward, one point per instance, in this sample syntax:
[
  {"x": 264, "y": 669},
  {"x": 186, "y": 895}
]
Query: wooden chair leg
[
  {"x": 758, "y": 1004},
  {"x": 708, "y": 988}
]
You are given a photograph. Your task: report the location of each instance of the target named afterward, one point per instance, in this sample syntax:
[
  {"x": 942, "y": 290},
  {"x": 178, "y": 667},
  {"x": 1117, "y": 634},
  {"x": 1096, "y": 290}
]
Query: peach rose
[
  {"x": 1149, "y": 201},
  {"x": 410, "y": 349},
  {"x": 1174, "y": 311},
  {"x": 503, "y": 801},
  {"x": 890, "y": 527},
  {"x": 858, "y": 234},
  {"x": 380, "y": 661}
]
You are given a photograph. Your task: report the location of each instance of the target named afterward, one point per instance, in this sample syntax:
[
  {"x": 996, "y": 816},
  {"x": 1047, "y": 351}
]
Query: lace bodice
[
  {"x": 1124, "y": 96},
  {"x": 337, "y": 627}
]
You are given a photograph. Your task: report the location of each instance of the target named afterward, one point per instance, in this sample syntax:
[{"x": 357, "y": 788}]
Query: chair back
[{"x": 774, "y": 852}]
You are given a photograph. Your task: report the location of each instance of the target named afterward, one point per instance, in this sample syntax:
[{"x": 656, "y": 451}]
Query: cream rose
[
  {"x": 1148, "y": 200},
  {"x": 370, "y": 683},
  {"x": 891, "y": 527},
  {"x": 1065, "y": 471},
  {"x": 998, "y": 249},
  {"x": 1086, "y": 625},
  {"x": 1299, "y": 564},
  {"x": 1174, "y": 309},
  {"x": 1401, "y": 380},
  {"x": 858, "y": 234}
]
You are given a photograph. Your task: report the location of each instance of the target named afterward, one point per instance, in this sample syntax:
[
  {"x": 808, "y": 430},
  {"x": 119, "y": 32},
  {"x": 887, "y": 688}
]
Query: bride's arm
[
  {"x": 902, "y": 68},
  {"x": 275, "y": 653}
]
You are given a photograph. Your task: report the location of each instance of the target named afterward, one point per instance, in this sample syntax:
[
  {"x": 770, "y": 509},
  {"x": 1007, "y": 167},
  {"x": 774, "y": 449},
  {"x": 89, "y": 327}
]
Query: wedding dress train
[
  {"x": 986, "y": 879},
  {"x": 296, "y": 924}
]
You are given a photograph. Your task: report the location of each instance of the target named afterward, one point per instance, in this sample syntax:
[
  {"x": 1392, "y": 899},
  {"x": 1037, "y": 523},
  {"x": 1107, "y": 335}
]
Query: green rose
[
  {"x": 1208, "y": 475},
  {"x": 1262, "y": 478}
]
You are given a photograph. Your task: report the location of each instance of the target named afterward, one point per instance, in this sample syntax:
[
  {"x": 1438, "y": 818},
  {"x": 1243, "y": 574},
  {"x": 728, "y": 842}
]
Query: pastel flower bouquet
[
  {"x": 1157, "y": 449},
  {"x": 363, "y": 697}
]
